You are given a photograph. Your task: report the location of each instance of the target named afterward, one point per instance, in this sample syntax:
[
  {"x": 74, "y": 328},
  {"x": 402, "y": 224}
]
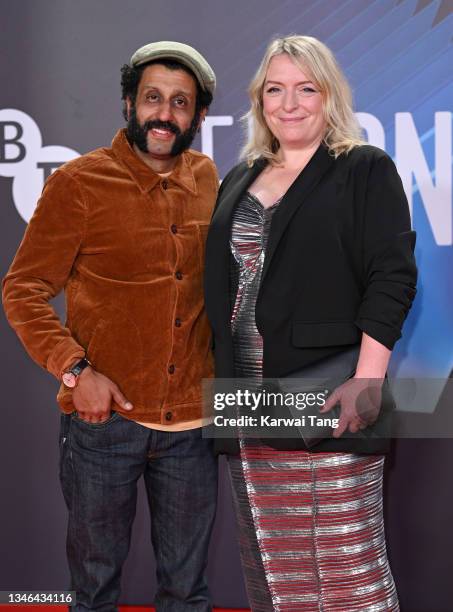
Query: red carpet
[{"x": 122, "y": 608}]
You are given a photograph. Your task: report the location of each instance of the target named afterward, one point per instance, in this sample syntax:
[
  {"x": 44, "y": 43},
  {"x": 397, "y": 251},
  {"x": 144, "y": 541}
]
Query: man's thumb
[{"x": 120, "y": 399}]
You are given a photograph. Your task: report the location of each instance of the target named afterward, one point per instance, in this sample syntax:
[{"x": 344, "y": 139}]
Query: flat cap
[{"x": 187, "y": 55}]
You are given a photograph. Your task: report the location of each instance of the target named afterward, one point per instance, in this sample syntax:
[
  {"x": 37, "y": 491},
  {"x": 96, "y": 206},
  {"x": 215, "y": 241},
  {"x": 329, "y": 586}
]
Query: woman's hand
[
  {"x": 360, "y": 401},
  {"x": 360, "y": 397}
]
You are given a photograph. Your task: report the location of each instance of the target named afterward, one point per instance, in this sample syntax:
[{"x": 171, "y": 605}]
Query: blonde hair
[{"x": 343, "y": 132}]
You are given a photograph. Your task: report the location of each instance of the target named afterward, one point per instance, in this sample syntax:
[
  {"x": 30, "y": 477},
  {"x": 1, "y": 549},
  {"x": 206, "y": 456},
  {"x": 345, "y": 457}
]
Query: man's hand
[
  {"x": 93, "y": 396},
  {"x": 360, "y": 401}
]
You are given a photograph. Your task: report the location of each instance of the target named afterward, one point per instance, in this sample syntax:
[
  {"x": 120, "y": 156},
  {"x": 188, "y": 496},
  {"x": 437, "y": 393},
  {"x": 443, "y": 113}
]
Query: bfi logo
[{"x": 23, "y": 158}]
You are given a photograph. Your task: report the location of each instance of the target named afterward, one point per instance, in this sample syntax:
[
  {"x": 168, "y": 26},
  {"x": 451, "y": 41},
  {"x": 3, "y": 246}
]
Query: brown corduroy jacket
[{"x": 127, "y": 246}]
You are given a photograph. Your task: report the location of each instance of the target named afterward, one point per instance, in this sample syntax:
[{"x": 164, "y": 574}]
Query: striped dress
[{"x": 310, "y": 524}]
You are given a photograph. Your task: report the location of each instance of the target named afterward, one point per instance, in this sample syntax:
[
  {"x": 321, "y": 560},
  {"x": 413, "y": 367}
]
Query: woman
[{"x": 310, "y": 252}]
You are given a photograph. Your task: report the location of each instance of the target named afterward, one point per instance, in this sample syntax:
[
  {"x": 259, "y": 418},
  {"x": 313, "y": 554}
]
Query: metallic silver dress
[{"x": 310, "y": 524}]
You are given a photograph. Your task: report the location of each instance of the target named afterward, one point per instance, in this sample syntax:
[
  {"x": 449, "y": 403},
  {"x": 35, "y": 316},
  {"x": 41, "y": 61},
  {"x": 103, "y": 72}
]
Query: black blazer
[{"x": 339, "y": 262}]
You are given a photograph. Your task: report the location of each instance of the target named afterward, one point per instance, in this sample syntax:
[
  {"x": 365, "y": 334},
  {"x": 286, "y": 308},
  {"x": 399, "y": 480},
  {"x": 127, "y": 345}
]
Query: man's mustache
[{"x": 161, "y": 125}]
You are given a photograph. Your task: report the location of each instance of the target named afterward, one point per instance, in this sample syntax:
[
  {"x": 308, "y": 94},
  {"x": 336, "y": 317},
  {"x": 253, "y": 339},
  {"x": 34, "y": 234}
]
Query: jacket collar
[
  {"x": 218, "y": 262},
  {"x": 143, "y": 175},
  {"x": 294, "y": 198},
  {"x": 244, "y": 176}
]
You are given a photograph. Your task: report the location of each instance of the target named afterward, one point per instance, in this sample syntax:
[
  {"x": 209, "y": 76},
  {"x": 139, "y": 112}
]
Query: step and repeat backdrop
[{"x": 60, "y": 97}]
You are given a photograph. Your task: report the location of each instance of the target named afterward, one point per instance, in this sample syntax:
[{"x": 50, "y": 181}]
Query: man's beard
[{"x": 137, "y": 133}]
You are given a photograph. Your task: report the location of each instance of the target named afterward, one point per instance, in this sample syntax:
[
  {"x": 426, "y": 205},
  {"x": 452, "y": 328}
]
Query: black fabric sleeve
[{"x": 389, "y": 268}]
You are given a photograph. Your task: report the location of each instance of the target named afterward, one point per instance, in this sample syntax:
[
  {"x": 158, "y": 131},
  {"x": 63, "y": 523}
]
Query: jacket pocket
[{"x": 308, "y": 334}]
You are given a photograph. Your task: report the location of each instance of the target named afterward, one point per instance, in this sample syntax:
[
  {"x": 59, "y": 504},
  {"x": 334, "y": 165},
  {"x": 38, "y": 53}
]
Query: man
[{"x": 122, "y": 230}]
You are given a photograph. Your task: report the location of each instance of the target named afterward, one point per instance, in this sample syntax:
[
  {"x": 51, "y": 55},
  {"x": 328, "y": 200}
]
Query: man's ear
[
  {"x": 203, "y": 114},
  {"x": 128, "y": 107}
]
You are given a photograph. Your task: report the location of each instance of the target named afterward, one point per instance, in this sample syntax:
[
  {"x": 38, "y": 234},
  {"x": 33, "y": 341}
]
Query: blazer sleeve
[{"x": 389, "y": 268}]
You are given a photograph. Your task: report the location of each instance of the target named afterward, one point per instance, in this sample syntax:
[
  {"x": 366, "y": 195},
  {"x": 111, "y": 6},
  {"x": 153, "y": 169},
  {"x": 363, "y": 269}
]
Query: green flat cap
[{"x": 187, "y": 55}]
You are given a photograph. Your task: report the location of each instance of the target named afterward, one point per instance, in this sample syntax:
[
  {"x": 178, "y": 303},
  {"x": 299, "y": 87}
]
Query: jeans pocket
[{"x": 114, "y": 416}]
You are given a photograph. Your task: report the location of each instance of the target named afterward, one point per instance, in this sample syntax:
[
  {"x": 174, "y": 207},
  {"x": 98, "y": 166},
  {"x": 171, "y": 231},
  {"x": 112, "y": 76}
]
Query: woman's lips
[{"x": 291, "y": 119}]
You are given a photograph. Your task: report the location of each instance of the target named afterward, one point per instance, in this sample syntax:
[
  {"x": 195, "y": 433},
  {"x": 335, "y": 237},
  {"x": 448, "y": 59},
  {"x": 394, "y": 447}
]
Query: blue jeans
[{"x": 99, "y": 470}]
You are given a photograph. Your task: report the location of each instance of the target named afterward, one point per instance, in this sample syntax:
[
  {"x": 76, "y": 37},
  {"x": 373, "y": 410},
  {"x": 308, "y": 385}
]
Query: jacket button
[
  {"x": 171, "y": 369},
  {"x": 177, "y": 322},
  {"x": 174, "y": 229},
  {"x": 165, "y": 184},
  {"x": 168, "y": 416},
  {"x": 178, "y": 275}
]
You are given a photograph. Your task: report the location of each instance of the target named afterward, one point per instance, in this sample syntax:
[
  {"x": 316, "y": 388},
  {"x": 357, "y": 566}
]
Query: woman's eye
[
  {"x": 308, "y": 90},
  {"x": 272, "y": 90}
]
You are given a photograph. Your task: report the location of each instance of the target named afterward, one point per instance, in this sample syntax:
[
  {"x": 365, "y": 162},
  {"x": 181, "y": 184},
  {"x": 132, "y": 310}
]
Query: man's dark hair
[{"x": 130, "y": 79}]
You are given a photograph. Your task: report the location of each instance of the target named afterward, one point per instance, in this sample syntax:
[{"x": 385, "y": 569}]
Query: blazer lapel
[
  {"x": 307, "y": 180},
  {"x": 224, "y": 213},
  {"x": 217, "y": 265}
]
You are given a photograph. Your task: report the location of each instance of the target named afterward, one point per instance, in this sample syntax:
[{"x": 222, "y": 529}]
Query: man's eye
[
  {"x": 152, "y": 97},
  {"x": 180, "y": 101}
]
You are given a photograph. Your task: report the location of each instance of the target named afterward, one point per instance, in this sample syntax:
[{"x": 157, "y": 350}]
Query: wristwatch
[{"x": 71, "y": 376}]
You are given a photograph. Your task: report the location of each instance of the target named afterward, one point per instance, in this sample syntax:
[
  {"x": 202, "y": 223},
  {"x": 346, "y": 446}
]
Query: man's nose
[{"x": 165, "y": 111}]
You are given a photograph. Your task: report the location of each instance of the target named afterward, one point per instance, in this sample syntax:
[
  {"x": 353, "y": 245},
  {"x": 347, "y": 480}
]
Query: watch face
[{"x": 69, "y": 380}]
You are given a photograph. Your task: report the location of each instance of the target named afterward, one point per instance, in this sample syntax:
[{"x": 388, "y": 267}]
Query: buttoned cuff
[{"x": 65, "y": 353}]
